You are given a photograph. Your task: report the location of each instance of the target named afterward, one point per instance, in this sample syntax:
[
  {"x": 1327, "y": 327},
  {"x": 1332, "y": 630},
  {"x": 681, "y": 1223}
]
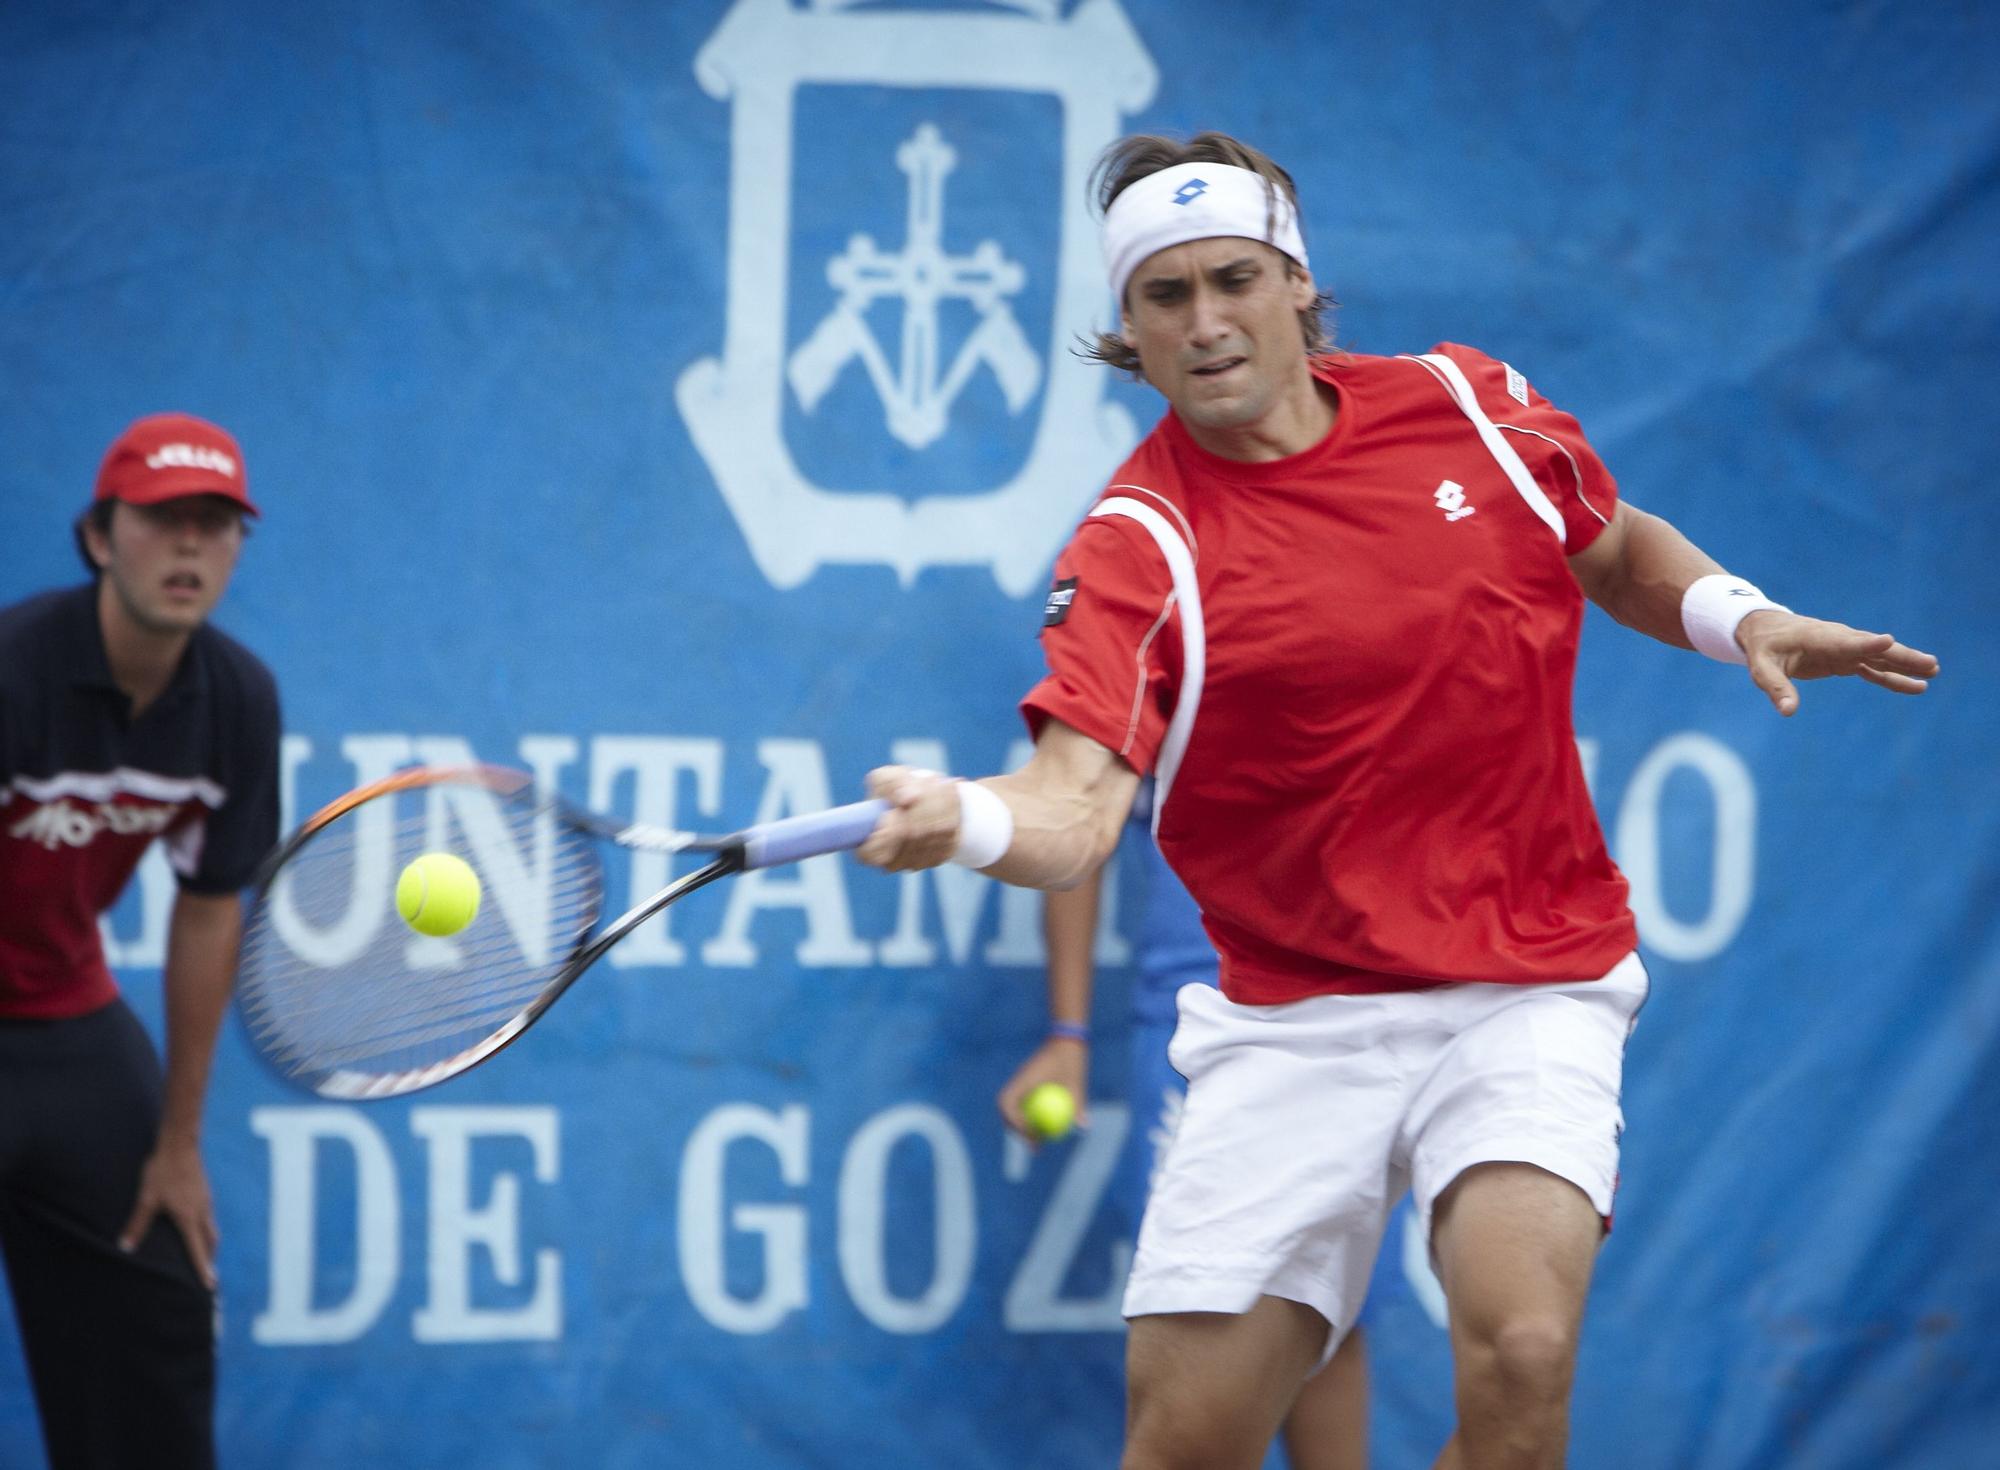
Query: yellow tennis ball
[
  {"x": 1050, "y": 1110},
  {"x": 438, "y": 894}
]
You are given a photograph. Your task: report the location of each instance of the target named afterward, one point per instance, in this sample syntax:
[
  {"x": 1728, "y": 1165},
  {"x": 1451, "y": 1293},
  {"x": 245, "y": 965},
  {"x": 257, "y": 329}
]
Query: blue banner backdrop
[{"x": 575, "y": 354}]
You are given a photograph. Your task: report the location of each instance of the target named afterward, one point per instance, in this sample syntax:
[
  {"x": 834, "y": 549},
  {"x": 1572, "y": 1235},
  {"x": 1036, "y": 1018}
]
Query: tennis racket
[{"x": 346, "y": 1000}]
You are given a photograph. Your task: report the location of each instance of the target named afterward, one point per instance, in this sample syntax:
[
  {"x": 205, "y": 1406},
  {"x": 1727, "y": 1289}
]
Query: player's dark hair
[
  {"x": 1131, "y": 159},
  {"x": 99, "y": 515}
]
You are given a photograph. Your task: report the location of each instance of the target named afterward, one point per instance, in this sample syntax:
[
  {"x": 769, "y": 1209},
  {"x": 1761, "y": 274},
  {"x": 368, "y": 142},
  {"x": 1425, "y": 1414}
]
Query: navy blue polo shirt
[{"x": 85, "y": 789}]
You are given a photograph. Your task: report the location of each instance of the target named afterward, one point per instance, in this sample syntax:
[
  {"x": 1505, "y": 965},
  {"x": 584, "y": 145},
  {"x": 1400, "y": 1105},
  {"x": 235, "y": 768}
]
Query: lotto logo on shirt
[
  {"x": 62, "y": 825},
  {"x": 1450, "y": 498}
]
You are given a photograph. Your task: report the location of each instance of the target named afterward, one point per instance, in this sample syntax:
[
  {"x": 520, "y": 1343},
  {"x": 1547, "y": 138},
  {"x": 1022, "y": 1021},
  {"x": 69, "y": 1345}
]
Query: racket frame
[{"x": 764, "y": 845}]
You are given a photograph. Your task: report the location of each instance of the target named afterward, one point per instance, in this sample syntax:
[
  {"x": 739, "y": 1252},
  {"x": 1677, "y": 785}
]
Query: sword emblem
[{"x": 916, "y": 399}]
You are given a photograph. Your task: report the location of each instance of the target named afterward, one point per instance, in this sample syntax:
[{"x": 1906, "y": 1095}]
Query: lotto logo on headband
[{"x": 1196, "y": 201}]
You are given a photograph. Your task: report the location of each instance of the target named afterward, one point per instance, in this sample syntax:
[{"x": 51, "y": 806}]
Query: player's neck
[
  {"x": 1302, "y": 416},
  {"x": 142, "y": 659}
]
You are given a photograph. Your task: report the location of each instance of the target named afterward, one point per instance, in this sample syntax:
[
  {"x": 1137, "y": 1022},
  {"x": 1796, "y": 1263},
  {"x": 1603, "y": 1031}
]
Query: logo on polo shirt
[
  {"x": 1450, "y": 498},
  {"x": 191, "y": 457},
  {"x": 62, "y": 824}
]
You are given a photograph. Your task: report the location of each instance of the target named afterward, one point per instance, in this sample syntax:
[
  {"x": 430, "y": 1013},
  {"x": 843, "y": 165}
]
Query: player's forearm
[
  {"x": 1061, "y": 835},
  {"x": 1047, "y": 825},
  {"x": 1650, "y": 577},
  {"x": 201, "y": 967},
  {"x": 1644, "y": 587},
  {"x": 1069, "y": 926}
]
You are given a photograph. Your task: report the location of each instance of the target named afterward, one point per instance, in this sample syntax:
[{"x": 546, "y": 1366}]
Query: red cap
[{"x": 167, "y": 455}]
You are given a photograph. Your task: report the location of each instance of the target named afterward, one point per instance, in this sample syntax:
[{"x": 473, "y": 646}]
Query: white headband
[{"x": 1196, "y": 201}]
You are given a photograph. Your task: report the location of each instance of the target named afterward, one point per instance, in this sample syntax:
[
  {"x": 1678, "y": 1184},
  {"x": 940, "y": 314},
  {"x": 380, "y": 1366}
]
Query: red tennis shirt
[{"x": 1380, "y": 787}]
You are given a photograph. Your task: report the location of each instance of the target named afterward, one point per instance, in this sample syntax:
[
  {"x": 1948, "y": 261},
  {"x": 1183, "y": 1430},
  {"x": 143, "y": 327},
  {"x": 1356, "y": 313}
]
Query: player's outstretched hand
[
  {"x": 1783, "y": 646},
  {"x": 174, "y": 1181},
  {"x": 920, "y": 829},
  {"x": 1060, "y": 1059}
]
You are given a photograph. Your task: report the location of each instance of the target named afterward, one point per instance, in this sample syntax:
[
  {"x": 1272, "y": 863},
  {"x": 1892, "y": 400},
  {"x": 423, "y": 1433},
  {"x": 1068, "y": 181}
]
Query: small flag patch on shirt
[
  {"x": 1517, "y": 386},
  {"x": 1060, "y": 597}
]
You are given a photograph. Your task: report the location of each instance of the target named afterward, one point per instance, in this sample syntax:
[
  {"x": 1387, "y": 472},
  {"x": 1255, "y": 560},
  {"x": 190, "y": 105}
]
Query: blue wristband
[{"x": 1069, "y": 1030}]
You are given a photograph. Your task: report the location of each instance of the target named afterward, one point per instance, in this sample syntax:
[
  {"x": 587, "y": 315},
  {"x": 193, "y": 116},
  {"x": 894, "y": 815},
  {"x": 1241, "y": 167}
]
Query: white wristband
[
  {"x": 985, "y": 826},
  {"x": 1713, "y": 606}
]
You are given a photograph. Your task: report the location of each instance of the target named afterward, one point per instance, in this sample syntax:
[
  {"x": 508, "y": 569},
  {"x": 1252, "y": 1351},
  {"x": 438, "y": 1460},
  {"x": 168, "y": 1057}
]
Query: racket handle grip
[{"x": 787, "y": 841}]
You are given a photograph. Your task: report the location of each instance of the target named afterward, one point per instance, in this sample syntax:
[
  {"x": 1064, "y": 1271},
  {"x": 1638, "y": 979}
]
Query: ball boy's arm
[
  {"x": 1069, "y": 928},
  {"x": 1639, "y": 570},
  {"x": 202, "y": 941}
]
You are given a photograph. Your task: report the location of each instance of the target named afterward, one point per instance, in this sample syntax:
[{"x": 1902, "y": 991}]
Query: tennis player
[
  {"x": 1332, "y": 603},
  {"x": 1327, "y": 1427},
  {"x": 124, "y": 719}
]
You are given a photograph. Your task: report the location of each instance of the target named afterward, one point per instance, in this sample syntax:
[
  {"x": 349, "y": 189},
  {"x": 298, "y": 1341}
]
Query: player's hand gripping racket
[{"x": 346, "y": 999}]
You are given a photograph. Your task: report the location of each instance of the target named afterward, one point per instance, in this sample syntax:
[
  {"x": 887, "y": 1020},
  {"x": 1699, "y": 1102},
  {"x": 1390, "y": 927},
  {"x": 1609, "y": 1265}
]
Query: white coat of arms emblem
[{"x": 1094, "y": 65}]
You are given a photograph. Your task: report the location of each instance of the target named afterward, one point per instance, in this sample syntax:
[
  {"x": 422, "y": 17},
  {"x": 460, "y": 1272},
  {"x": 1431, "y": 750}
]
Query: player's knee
[{"x": 1529, "y": 1355}]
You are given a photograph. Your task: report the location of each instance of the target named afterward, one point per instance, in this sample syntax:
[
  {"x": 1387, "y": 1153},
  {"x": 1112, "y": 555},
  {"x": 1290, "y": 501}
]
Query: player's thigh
[
  {"x": 1515, "y": 1247},
  {"x": 1531, "y": 1075},
  {"x": 1210, "y": 1388},
  {"x": 1280, "y": 1175}
]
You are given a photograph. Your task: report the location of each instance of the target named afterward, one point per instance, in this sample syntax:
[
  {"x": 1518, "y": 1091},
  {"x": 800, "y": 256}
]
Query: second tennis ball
[
  {"x": 1050, "y": 1110},
  {"x": 438, "y": 894}
]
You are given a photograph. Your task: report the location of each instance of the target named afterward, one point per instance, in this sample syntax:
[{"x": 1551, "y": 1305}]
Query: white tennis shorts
[{"x": 1306, "y": 1122}]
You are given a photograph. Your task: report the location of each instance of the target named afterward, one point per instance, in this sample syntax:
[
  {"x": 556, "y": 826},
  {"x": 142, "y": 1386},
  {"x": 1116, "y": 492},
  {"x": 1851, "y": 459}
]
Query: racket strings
[
  {"x": 310, "y": 1031},
  {"x": 331, "y": 976},
  {"x": 392, "y": 1015},
  {"x": 502, "y": 970}
]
